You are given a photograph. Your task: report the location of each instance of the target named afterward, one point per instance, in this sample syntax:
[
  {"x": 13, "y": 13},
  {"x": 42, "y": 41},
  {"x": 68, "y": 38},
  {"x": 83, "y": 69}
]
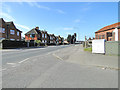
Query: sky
[{"x": 61, "y": 18}]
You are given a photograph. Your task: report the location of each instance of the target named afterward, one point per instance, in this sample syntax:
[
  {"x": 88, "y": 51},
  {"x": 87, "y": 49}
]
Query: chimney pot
[{"x": 37, "y": 28}]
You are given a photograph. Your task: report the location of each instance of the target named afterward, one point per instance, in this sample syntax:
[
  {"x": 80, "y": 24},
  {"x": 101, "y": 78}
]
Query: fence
[
  {"x": 13, "y": 44},
  {"x": 112, "y": 47}
]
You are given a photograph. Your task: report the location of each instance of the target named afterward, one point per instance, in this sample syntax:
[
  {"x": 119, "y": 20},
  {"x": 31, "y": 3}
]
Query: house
[
  {"x": 44, "y": 37},
  {"x": 34, "y": 34},
  {"x": 59, "y": 39},
  {"x": 52, "y": 39},
  {"x": 109, "y": 33},
  {"x": 48, "y": 38},
  {"x": 9, "y": 31}
]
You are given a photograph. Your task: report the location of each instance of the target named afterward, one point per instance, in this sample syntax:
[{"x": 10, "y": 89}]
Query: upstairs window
[
  {"x": 96, "y": 36},
  {"x": 32, "y": 35},
  {"x": 12, "y": 32},
  {"x": 103, "y": 36},
  {"x": 51, "y": 37},
  {"x": 17, "y": 33},
  {"x": 2, "y": 30},
  {"x": 99, "y": 36},
  {"x": 43, "y": 35}
]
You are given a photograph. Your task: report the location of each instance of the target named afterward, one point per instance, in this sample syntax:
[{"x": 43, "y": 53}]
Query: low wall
[{"x": 112, "y": 47}]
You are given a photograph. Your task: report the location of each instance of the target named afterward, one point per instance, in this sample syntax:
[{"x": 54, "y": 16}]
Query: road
[
  {"x": 21, "y": 54},
  {"x": 50, "y": 68}
]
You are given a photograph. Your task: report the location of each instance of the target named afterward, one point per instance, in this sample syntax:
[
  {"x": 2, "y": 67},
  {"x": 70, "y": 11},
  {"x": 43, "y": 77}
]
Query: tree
[
  {"x": 69, "y": 38},
  {"x": 38, "y": 42}
]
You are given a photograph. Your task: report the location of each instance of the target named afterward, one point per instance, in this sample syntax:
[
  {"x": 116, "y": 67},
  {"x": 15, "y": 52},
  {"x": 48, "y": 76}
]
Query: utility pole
[{"x": 85, "y": 42}]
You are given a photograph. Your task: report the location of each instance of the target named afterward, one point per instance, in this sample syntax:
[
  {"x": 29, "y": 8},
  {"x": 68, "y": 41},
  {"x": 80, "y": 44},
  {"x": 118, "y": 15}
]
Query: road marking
[
  {"x": 57, "y": 56},
  {"x": 23, "y": 60},
  {"x": 3, "y": 69},
  {"x": 11, "y": 63}
]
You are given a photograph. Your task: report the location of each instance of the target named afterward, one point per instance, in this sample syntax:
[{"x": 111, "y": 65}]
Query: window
[
  {"x": 17, "y": 33},
  {"x": 17, "y": 39},
  {"x": 42, "y": 41},
  {"x": 43, "y": 35},
  {"x": 99, "y": 36},
  {"x": 96, "y": 36},
  {"x": 51, "y": 37},
  {"x": 32, "y": 35},
  {"x": 12, "y": 32},
  {"x": 45, "y": 41},
  {"x": 2, "y": 30},
  {"x": 12, "y": 39},
  {"x": 103, "y": 36}
]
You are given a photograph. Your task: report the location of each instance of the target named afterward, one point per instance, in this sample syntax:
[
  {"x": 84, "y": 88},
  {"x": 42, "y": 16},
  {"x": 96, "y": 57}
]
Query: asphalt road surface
[{"x": 43, "y": 68}]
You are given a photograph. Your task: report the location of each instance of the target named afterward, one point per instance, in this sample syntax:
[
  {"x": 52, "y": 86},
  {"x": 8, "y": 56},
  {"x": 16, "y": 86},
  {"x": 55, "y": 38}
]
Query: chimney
[{"x": 37, "y": 28}]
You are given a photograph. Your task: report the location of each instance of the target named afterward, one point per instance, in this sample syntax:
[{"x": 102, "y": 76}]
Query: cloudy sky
[{"x": 61, "y": 18}]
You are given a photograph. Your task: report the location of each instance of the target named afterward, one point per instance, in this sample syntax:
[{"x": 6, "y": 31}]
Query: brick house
[
  {"x": 59, "y": 39},
  {"x": 109, "y": 33},
  {"x": 9, "y": 31},
  {"x": 52, "y": 39},
  {"x": 36, "y": 34},
  {"x": 45, "y": 38}
]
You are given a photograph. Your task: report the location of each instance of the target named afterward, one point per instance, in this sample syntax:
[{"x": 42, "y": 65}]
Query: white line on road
[
  {"x": 23, "y": 60},
  {"x": 11, "y": 63},
  {"x": 2, "y": 69},
  {"x": 57, "y": 57}
]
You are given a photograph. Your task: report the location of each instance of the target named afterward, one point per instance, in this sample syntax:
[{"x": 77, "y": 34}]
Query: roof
[
  {"x": 33, "y": 30},
  {"x": 112, "y": 26},
  {"x": 51, "y": 35},
  {"x": 9, "y": 23}
]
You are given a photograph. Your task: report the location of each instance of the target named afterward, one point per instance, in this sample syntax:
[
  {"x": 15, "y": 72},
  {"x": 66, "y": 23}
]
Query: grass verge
[{"x": 88, "y": 49}]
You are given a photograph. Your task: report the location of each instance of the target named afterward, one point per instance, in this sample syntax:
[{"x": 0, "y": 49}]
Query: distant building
[
  {"x": 109, "y": 33},
  {"x": 44, "y": 37},
  {"x": 9, "y": 31},
  {"x": 52, "y": 39}
]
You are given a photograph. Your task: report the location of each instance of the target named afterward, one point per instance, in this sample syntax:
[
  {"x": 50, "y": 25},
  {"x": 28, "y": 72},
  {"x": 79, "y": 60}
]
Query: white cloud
[
  {"x": 60, "y": 11},
  {"x": 68, "y": 29},
  {"x": 22, "y": 26},
  {"x": 35, "y": 4},
  {"x": 77, "y": 20},
  {"x": 7, "y": 17}
]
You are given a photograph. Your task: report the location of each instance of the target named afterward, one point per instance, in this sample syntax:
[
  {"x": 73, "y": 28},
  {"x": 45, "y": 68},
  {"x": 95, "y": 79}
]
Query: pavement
[
  {"x": 78, "y": 55},
  {"x": 57, "y": 67}
]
